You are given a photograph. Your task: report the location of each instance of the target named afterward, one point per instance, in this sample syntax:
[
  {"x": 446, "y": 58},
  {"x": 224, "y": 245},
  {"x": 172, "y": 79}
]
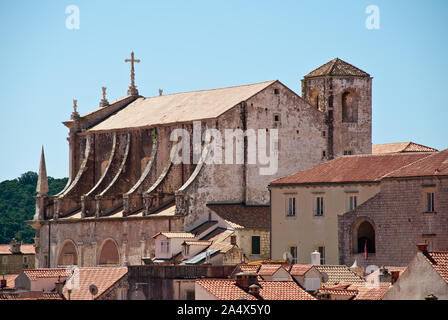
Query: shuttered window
[{"x": 255, "y": 245}]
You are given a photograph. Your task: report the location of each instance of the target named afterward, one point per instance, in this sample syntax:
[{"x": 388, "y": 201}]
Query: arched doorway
[
  {"x": 365, "y": 236},
  {"x": 68, "y": 254},
  {"x": 109, "y": 253}
]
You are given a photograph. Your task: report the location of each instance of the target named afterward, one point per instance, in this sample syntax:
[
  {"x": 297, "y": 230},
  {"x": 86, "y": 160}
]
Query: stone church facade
[{"x": 124, "y": 186}]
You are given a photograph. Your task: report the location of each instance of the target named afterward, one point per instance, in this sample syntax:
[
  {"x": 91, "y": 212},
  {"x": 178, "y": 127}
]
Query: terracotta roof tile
[
  {"x": 244, "y": 267},
  {"x": 175, "y": 234},
  {"x": 268, "y": 269},
  {"x": 355, "y": 169},
  {"x": 203, "y": 227},
  {"x": 339, "y": 274},
  {"x": 337, "y": 67},
  {"x": 397, "y": 147},
  {"x": 439, "y": 261},
  {"x": 226, "y": 289},
  {"x": 391, "y": 269},
  {"x": 102, "y": 277},
  {"x": 299, "y": 269},
  {"x": 240, "y": 216},
  {"x": 30, "y": 295},
  {"x": 34, "y": 274},
  {"x": 24, "y": 249},
  {"x": 370, "y": 292},
  {"x": 432, "y": 166},
  {"x": 179, "y": 107},
  {"x": 200, "y": 243},
  {"x": 339, "y": 292}
]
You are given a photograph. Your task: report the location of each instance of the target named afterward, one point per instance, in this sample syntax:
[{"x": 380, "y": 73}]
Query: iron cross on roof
[{"x": 132, "y": 89}]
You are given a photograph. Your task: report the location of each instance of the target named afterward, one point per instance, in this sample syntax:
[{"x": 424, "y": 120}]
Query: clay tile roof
[
  {"x": 179, "y": 107},
  {"x": 34, "y": 274},
  {"x": 198, "y": 243},
  {"x": 203, "y": 227},
  {"x": 337, "y": 67},
  {"x": 370, "y": 292},
  {"x": 439, "y": 261},
  {"x": 240, "y": 216},
  {"x": 175, "y": 234},
  {"x": 102, "y": 277},
  {"x": 299, "y": 269},
  {"x": 226, "y": 289},
  {"x": 397, "y": 147},
  {"x": 391, "y": 269},
  {"x": 352, "y": 169},
  {"x": 339, "y": 292},
  {"x": 24, "y": 249},
  {"x": 431, "y": 166},
  {"x": 339, "y": 274},
  {"x": 244, "y": 267},
  {"x": 268, "y": 269}
]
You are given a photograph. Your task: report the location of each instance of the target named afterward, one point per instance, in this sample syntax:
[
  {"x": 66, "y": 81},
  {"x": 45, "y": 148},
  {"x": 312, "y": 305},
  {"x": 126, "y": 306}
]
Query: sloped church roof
[
  {"x": 180, "y": 107},
  {"x": 337, "y": 67}
]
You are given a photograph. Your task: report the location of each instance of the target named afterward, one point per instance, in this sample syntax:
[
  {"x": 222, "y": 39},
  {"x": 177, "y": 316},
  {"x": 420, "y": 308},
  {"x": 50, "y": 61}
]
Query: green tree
[{"x": 17, "y": 205}]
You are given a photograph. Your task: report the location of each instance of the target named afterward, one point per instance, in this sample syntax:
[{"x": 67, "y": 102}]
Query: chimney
[
  {"x": 59, "y": 285},
  {"x": 233, "y": 240},
  {"x": 254, "y": 289},
  {"x": 422, "y": 247},
  {"x": 245, "y": 279},
  {"x": 3, "y": 282},
  {"x": 315, "y": 258}
]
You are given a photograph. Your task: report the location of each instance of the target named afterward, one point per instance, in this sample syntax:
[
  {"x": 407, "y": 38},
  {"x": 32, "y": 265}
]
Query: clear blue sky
[{"x": 191, "y": 45}]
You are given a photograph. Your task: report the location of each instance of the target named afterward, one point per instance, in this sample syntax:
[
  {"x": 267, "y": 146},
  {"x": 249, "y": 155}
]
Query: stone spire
[
  {"x": 104, "y": 102},
  {"x": 42, "y": 181},
  {"x": 132, "y": 88},
  {"x": 75, "y": 114}
]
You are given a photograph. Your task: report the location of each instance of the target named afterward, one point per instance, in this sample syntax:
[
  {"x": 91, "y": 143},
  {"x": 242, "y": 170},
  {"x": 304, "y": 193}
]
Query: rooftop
[
  {"x": 337, "y": 67},
  {"x": 374, "y": 292},
  {"x": 339, "y": 274},
  {"x": 226, "y": 289},
  {"x": 439, "y": 261},
  {"x": 240, "y": 216},
  {"x": 24, "y": 249},
  {"x": 268, "y": 269},
  {"x": 432, "y": 166},
  {"x": 397, "y": 147},
  {"x": 102, "y": 277},
  {"x": 175, "y": 234},
  {"x": 179, "y": 107},
  {"x": 352, "y": 169},
  {"x": 35, "y": 274},
  {"x": 299, "y": 269}
]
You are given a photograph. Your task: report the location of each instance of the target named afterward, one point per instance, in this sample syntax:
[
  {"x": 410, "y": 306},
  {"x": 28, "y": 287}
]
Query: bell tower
[{"x": 344, "y": 93}]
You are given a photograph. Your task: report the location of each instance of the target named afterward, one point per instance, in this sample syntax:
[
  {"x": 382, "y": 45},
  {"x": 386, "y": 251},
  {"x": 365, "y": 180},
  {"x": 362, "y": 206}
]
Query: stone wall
[
  {"x": 133, "y": 237},
  {"x": 346, "y": 136},
  {"x": 399, "y": 219},
  {"x": 15, "y": 263}
]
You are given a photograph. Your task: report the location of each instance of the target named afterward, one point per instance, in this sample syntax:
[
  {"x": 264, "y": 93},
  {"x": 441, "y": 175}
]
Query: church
[{"x": 125, "y": 190}]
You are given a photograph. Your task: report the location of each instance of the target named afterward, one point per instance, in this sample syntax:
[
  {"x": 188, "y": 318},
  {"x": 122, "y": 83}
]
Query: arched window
[
  {"x": 314, "y": 98},
  {"x": 109, "y": 253},
  {"x": 68, "y": 254},
  {"x": 349, "y": 107},
  {"x": 365, "y": 236}
]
